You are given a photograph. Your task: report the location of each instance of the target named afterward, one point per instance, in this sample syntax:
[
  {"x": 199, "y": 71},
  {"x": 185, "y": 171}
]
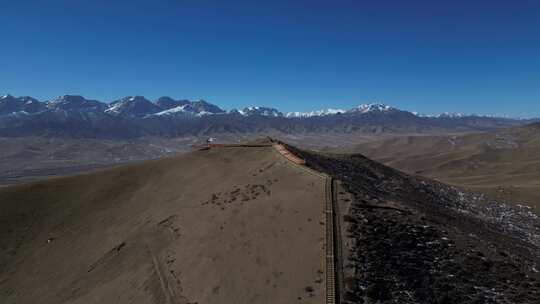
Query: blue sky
[{"x": 428, "y": 56}]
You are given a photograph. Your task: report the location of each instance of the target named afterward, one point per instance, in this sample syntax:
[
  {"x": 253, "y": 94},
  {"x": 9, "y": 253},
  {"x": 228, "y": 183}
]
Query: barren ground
[
  {"x": 504, "y": 164},
  {"x": 230, "y": 225}
]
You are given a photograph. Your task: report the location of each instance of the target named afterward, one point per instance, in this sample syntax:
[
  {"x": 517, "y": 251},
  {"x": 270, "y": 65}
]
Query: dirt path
[{"x": 333, "y": 250}]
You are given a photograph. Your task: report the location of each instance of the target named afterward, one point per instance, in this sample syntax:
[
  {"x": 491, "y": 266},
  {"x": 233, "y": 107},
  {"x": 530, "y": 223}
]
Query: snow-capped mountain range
[
  {"x": 315, "y": 113},
  {"x": 22, "y": 105},
  {"x": 262, "y": 111},
  {"x": 136, "y": 116},
  {"x": 140, "y": 107}
]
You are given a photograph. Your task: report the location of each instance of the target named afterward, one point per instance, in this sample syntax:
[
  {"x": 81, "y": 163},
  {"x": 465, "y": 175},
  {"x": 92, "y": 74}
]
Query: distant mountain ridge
[
  {"x": 10, "y": 105},
  {"x": 133, "y": 116}
]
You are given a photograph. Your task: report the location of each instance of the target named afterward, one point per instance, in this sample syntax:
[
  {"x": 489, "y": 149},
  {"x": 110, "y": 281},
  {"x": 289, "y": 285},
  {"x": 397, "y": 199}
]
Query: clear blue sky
[{"x": 428, "y": 56}]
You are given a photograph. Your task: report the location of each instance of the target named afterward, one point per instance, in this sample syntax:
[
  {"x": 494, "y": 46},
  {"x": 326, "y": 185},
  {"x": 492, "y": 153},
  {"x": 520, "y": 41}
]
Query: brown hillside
[
  {"x": 228, "y": 225},
  {"x": 504, "y": 164}
]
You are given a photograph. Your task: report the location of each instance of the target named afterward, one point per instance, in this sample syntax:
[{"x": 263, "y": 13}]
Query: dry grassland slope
[{"x": 228, "y": 225}]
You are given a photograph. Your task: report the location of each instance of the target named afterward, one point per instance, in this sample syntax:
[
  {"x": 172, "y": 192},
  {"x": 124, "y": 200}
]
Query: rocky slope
[{"x": 414, "y": 240}]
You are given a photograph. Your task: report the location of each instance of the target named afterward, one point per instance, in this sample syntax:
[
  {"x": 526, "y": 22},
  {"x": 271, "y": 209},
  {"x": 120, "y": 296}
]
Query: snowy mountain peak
[
  {"x": 22, "y": 105},
  {"x": 184, "y": 107},
  {"x": 260, "y": 111},
  {"x": 69, "y": 99},
  {"x": 451, "y": 115},
  {"x": 166, "y": 102},
  {"x": 76, "y": 103},
  {"x": 202, "y": 106},
  {"x": 173, "y": 111},
  {"x": 361, "y": 109},
  {"x": 447, "y": 115},
  {"x": 132, "y": 106},
  {"x": 133, "y": 98},
  {"x": 28, "y": 99},
  {"x": 315, "y": 113},
  {"x": 372, "y": 107}
]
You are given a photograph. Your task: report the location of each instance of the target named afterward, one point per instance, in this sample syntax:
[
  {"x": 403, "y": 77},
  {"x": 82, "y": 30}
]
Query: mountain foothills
[
  {"x": 136, "y": 116},
  {"x": 503, "y": 163}
]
